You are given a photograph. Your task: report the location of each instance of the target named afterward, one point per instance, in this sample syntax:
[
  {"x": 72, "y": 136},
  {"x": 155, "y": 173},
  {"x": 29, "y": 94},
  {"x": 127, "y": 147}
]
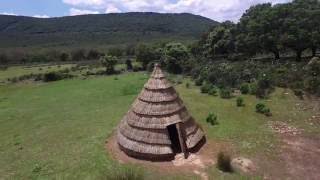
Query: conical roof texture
[{"x": 143, "y": 130}]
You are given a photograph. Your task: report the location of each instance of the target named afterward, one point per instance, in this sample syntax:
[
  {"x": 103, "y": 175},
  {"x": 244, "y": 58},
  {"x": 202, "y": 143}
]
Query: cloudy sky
[{"x": 219, "y": 10}]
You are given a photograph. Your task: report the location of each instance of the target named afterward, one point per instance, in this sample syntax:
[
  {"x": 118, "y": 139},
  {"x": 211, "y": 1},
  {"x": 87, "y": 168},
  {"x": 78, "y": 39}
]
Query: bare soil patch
[
  {"x": 300, "y": 154},
  {"x": 196, "y": 163}
]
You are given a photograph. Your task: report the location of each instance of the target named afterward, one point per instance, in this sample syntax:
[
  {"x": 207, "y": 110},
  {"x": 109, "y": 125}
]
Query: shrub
[
  {"x": 298, "y": 92},
  {"x": 198, "y": 82},
  {"x": 137, "y": 68},
  {"x": 213, "y": 91},
  {"x": 187, "y": 85},
  {"x": 129, "y": 65},
  {"x": 109, "y": 62},
  {"x": 205, "y": 88},
  {"x": 150, "y": 66},
  {"x": 224, "y": 162},
  {"x": 253, "y": 88},
  {"x": 263, "y": 109},
  {"x": 245, "y": 88},
  {"x": 52, "y": 76},
  {"x": 225, "y": 93},
  {"x": 240, "y": 102},
  {"x": 212, "y": 119}
]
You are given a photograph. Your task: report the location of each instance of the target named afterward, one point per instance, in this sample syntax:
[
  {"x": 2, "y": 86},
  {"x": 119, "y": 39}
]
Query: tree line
[{"x": 266, "y": 28}]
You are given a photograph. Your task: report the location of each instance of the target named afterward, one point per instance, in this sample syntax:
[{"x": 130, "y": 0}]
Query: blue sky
[{"x": 219, "y": 10}]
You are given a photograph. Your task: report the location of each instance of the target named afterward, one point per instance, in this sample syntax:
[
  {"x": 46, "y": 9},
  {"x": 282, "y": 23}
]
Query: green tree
[
  {"x": 78, "y": 55},
  {"x": 4, "y": 59},
  {"x": 93, "y": 54},
  {"x": 109, "y": 62},
  {"x": 115, "y": 51},
  {"x": 146, "y": 54},
  {"x": 220, "y": 40},
  {"x": 259, "y": 30},
  {"x": 176, "y": 57},
  {"x": 64, "y": 56}
]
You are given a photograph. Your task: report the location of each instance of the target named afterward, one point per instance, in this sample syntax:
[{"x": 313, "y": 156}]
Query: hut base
[{"x": 159, "y": 158}]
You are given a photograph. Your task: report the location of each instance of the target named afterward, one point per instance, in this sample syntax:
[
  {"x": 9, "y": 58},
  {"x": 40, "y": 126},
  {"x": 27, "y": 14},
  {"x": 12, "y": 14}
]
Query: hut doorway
[{"x": 174, "y": 138}]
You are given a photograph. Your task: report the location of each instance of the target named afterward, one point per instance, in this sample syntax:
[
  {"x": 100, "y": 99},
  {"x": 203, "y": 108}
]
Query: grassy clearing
[
  {"x": 58, "y": 130},
  {"x": 16, "y": 71}
]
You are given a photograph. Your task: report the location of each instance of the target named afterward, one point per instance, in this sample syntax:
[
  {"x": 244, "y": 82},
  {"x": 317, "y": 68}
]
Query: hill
[{"x": 100, "y": 29}]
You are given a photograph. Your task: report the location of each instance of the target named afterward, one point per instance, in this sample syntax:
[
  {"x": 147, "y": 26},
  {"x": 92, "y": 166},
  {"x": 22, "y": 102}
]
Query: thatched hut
[{"x": 158, "y": 125}]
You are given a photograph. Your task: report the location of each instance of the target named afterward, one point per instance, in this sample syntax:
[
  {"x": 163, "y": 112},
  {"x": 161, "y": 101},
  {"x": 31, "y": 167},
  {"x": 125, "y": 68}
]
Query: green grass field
[
  {"x": 58, "y": 130},
  {"x": 16, "y": 71}
]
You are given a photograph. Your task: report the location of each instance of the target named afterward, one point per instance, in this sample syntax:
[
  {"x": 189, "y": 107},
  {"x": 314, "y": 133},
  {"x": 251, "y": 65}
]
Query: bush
[
  {"x": 212, "y": 119},
  {"x": 253, "y": 88},
  {"x": 224, "y": 162},
  {"x": 213, "y": 91},
  {"x": 150, "y": 66},
  {"x": 225, "y": 93},
  {"x": 52, "y": 76},
  {"x": 245, "y": 88},
  {"x": 136, "y": 68},
  {"x": 205, "y": 88},
  {"x": 187, "y": 85},
  {"x": 198, "y": 82},
  {"x": 263, "y": 109},
  {"x": 55, "y": 76},
  {"x": 299, "y": 93},
  {"x": 240, "y": 102}
]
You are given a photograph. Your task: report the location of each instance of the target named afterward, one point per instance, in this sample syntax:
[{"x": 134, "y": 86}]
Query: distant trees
[
  {"x": 93, "y": 54},
  {"x": 78, "y": 55},
  {"x": 176, "y": 57},
  {"x": 3, "y": 59},
  {"x": 64, "y": 57},
  {"x": 265, "y": 28},
  {"x": 109, "y": 62},
  {"x": 146, "y": 54}
]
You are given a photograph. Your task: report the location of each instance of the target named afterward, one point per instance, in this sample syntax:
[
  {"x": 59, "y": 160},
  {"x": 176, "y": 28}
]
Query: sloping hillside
[{"x": 101, "y": 29}]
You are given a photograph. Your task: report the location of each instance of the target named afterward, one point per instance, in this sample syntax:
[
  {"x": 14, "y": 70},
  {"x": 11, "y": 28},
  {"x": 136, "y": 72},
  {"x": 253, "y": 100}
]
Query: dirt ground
[
  {"x": 196, "y": 163},
  {"x": 298, "y": 157},
  {"x": 299, "y": 154}
]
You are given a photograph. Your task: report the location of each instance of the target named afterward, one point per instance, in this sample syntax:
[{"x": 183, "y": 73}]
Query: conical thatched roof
[{"x": 143, "y": 132}]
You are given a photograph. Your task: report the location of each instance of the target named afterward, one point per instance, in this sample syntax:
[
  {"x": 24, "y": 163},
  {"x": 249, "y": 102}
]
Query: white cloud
[
  {"x": 74, "y": 11},
  {"x": 84, "y": 2},
  {"x": 220, "y": 10},
  {"x": 112, "y": 9},
  {"x": 9, "y": 14},
  {"x": 41, "y": 16}
]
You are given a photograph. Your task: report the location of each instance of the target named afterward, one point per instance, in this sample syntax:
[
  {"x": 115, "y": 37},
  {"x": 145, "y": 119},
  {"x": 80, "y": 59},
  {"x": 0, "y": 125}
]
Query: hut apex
[{"x": 158, "y": 125}]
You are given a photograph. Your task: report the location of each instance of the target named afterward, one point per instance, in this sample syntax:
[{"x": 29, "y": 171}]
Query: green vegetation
[
  {"x": 263, "y": 109},
  {"x": 16, "y": 71},
  {"x": 109, "y": 63},
  {"x": 60, "y": 132},
  {"x": 100, "y": 30},
  {"x": 240, "y": 102},
  {"x": 264, "y": 28},
  {"x": 224, "y": 162},
  {"x": 212, "y": 119}
]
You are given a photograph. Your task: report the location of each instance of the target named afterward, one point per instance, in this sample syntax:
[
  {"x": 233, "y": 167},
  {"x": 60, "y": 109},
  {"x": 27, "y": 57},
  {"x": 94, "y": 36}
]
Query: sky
[{"x": 219, "y": 10}]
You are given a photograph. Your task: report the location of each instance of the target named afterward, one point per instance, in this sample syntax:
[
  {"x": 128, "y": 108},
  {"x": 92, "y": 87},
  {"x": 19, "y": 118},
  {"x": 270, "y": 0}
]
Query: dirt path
[{"x": 300, "y": 154}]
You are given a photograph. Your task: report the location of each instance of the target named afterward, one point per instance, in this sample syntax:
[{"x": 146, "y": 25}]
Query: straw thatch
[{"x": 143, "y": 132}]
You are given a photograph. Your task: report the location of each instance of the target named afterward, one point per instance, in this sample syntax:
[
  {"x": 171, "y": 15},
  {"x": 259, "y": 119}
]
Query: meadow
[{"x": 58, "y": 130}]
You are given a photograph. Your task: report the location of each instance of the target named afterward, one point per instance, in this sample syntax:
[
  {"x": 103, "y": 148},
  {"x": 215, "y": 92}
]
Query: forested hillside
[{"x": 101, "y": 29}]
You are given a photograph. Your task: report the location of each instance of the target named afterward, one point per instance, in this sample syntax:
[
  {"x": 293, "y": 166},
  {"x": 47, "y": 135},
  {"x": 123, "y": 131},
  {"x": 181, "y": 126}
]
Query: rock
[{"x": 242, "y": 165}]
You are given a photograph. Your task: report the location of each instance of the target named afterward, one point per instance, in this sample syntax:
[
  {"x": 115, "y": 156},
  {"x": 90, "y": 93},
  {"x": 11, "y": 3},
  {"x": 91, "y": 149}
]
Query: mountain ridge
[{"x": 101, "y": 29}]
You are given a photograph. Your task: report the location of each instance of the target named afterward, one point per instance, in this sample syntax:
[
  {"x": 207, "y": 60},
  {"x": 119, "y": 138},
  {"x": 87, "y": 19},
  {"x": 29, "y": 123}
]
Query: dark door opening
[{"x": 174, "y": 138}]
